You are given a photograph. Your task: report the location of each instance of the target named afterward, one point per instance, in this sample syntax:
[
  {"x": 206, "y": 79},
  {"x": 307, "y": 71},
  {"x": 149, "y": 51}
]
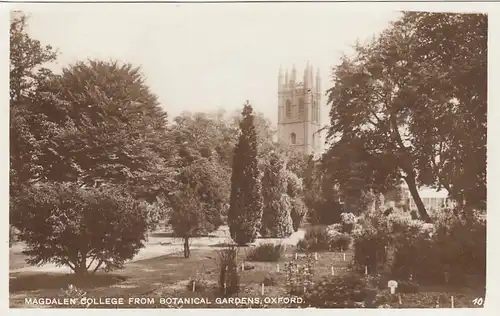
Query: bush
[
  {"x": 63, "y": 223},
  {"x": 303, "y": 245},
  {"x": 229, "y": 280},
  {"x": 444, "y": 252},
  {"x": 340, "y": 242},
  {"x": 298, "y": 212},
  {"x": 265, "y": 252},
  {"x": 334, "y": 229},
  {"x": 299, "y": 277},
  {"x": 371, "y": 239},
  {"x": 316, "y": 239},
  {"x": 348, "y": 220},
  {"x": 407, "y": 287},
  {"x": 269, "y": 281},
  {"x": 344, "y": 291}
]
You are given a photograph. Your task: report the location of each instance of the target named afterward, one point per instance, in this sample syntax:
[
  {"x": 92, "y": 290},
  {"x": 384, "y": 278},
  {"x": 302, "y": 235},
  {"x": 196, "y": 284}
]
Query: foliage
[
  {"x": 406, "y": 286},
  {"x": 298, "y": 212},
  {"x": 276, "y": 219},
  {"x": 378, "y": 99},
  {"x": 340, "y": 241},
  {"x": 342, "y": 291},
  {"x": 410, "y": 249},
  {"x": 450, "y": 51},
  {"x": 73, "y": 292},
  {"x": 197, "y": 203},
  {"x": 229, "y": 280},
  {"x": 350, "y": 167},
  {"x": 316, "y": 238},
  {"x": 270, "y": 281},
  {"x": 445, "y": 253},
  {"x": 299, "y": 277},
  {"x": 321, "y": 195},
  {"x": 30, "y": 132},
  {"x": 265, "y": 252},
  {"x": 371, "y": 239},
  {"x": 205, "y": 135},
  {"x": 112, "y": 129},
  {"x": 69, "y": 225},
  {"x": 27, "y": 55},
  {"x": 245, "y": 210},
  {"x": 348, "y": 221}
]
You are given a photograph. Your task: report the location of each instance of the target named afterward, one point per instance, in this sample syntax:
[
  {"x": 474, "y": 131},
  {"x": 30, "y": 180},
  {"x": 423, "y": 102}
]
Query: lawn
[{"x": 168, "y": 277}]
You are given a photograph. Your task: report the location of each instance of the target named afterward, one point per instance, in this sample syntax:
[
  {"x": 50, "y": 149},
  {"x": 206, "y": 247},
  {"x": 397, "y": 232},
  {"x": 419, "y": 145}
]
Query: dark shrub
[
  {"x": 316, "y": 239},
  {"x": 64, "y": 224},
  {"x": 269, "y": 281},
  {"x": 298, "y": 212},
  {"x": 407, "y": 287},
  {"x": 342, "y": 291},
  {"x": 265, "y": 252},
  {"x": 340, "y": 242},
  {"x": 370, "y": 251},
  {"x": 302, "y": 245},
  {"x": 443, "y": 253},
  {"x": 228, "y": 278}
]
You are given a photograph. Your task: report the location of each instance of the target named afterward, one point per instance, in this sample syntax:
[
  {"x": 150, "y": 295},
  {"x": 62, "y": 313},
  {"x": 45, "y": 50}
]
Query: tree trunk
[
  {"x": 80, "y": 270},
  {"x": 187, "y": 252},
  {"x": 416, "y": 198}
]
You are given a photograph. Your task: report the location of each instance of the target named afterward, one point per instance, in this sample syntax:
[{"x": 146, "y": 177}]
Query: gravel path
[{"x": 161, "y": 246}]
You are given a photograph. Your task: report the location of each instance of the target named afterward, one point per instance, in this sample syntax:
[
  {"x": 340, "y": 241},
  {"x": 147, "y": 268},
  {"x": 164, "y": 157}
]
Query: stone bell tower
[{"x": 299, "y": 115}]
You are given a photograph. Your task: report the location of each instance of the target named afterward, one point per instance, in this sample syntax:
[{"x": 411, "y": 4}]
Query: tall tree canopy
[
  {"x": 30, "y": 132},
  {"x": 379, "y": 97},
  {"x": 245, "y": 209},
  {"x": 276, "y": 216}
]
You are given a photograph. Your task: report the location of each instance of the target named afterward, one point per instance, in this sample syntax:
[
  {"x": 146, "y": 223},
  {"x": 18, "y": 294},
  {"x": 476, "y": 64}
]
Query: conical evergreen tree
[
  {"x": 245, "y": 208},
  {"x": 276, "y": 219}
]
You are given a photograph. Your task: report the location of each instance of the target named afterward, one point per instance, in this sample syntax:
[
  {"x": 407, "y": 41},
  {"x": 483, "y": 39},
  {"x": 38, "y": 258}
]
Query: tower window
[
  {"x": 301, "y": 107},
  {"x": 288, "y": 109},
  {"x": 314, "y": 111},
  {"x": 293, "y": 138}
]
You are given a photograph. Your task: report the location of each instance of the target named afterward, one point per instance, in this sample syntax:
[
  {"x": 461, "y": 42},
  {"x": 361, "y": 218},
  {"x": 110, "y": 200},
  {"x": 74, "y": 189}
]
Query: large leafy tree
[
  {"x": 27, "y": 59},
  {"x": 451, "y": 90},
  {"x": 30, "y": 131},
  {"x": 109, "y": 134},
  {"x": 321, "y": 194},
  {"x": 112, "y": 129},
  {"x": 198, "y": 203},
  {"x": 378, "y": 97},
  {"x": 276, "y": 217},
  {"x": 245, "y": 209},
  {"x": 208, "y": 135},
  {"x": 85, "y": 229},
  {"x": 356, "y": 172}
]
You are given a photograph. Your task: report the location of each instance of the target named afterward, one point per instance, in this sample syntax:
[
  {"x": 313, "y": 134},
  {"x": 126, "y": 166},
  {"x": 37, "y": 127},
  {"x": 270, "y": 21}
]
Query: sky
[{"x": 204, "y": 57}]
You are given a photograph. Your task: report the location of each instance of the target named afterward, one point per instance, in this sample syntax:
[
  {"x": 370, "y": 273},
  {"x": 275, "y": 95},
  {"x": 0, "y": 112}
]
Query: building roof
[{"x": 426, "y": 192}]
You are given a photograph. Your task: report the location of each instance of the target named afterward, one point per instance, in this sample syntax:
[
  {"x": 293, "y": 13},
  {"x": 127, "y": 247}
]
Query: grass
[{"x": 168, "y": 276}]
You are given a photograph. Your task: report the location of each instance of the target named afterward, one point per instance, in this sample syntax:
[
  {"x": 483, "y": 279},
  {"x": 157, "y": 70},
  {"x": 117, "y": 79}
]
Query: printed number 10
[{"x": 478, "y": 301}]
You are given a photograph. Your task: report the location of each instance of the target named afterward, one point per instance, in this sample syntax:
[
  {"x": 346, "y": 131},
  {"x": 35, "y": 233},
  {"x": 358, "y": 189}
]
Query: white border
[{"x": 493, "y": 295}]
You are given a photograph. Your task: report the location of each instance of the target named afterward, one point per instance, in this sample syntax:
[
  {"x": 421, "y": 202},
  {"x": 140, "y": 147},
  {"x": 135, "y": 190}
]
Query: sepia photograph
[{"x": 247, "y": 155}]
